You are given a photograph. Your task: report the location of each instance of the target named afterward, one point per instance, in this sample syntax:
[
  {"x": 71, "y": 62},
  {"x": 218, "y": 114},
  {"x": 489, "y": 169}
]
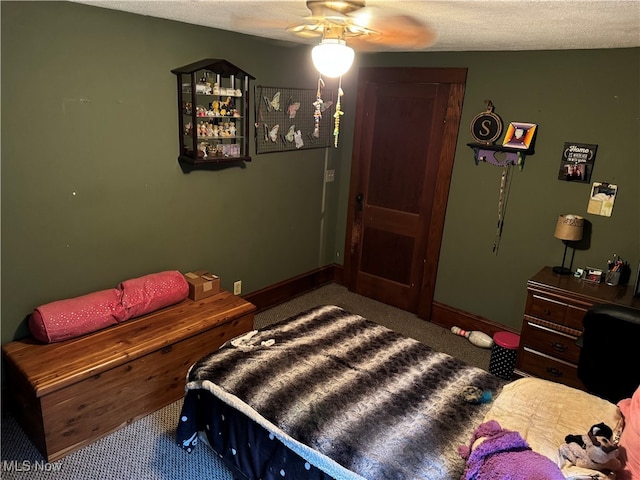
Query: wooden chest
[{"x": 69, "y": 394}]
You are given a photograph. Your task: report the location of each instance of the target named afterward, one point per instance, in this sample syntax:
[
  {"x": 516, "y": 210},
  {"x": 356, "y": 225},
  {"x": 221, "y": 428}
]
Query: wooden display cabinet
[{"x": 213, "y": 114}]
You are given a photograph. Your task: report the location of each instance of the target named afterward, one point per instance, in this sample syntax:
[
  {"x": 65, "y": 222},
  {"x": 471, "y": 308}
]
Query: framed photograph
[
  {"x": 592, "y": 275},
  {"x": 636, "y": 288},
  {"x": 577, "y": 162},
  {"x": 603, "y": 196},
  {"x": 520, "y": 135}
]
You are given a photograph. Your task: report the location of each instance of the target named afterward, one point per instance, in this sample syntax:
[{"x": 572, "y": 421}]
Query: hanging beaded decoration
[
  {"x": 318, "y": 104},
  {"x": 505, "y": 186},
  {"x": 337, "y": 114}
]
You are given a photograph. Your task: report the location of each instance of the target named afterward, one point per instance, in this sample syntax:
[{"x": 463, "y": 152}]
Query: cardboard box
[{"x": 202, "y": 284}]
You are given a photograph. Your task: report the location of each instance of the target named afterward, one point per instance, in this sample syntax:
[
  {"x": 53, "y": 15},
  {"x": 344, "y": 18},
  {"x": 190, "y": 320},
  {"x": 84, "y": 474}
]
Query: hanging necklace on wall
[
  {"x": 505, "y": 186},
  {"x": 337, "y": 114}
]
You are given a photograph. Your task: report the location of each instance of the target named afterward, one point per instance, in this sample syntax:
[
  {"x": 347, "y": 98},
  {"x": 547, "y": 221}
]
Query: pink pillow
[
  {"x": 153, "y": 292},
  {"x": 630, "y": 438},
  {"x": 65, "y": 319},
  {"x": 73, "y": 317}
]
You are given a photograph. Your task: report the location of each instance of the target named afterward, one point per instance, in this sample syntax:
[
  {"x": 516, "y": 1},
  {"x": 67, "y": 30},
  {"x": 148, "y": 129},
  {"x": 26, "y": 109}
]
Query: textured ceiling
[{"x": 460, "y": 25}]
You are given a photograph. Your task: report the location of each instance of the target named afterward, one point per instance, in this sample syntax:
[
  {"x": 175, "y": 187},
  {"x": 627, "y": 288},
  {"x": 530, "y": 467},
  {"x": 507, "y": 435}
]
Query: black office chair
[{"x": 609, "y": 363}]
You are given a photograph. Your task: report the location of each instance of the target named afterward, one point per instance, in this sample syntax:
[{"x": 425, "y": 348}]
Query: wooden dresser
[
  {"x": 555, "y": 308},
  {"x": 69, "y": 394}
]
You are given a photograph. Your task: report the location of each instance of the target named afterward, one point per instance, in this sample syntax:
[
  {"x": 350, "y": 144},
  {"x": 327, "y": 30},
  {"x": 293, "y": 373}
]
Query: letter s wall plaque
[{"x": 486, "y": 127}]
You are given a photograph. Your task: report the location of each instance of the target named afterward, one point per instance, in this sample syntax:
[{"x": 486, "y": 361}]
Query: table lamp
[{"x": 568, "y": 229}]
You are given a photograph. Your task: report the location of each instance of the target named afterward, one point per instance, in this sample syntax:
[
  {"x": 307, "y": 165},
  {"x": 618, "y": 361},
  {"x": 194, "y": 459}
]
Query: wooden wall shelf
[{"x": 511, "y": 156}]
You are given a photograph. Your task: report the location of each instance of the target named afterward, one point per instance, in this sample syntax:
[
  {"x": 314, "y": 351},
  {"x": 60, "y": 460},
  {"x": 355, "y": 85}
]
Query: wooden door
[{"x": 406, "y": 128}]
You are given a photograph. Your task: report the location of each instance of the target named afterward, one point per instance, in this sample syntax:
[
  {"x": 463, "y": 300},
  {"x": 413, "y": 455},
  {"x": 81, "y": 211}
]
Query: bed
[{"x": 327, "y": 394}]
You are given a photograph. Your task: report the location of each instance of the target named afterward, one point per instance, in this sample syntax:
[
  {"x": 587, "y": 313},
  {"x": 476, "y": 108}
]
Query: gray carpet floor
[{"x": 146, "y": 449}]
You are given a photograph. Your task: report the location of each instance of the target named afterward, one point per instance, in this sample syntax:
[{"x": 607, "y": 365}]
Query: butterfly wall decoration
[
  {"x": 292, "y": 108},
  {"x": 287, "y": 119},
  {"x": 274, "y": 103},
  {"x": 289, "y": 135},
  {"x": 273, "y": 133}
]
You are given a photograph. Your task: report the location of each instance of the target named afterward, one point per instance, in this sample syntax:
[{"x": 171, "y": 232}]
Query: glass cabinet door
[{"x": 213, "y": 102}]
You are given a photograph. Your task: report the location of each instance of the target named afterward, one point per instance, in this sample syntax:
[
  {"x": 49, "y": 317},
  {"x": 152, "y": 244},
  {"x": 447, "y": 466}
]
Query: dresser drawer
[
  {"x": 545, "y": 340},
  {"x": 539, "y": 365},
  {"x": 555, "y": 311}
]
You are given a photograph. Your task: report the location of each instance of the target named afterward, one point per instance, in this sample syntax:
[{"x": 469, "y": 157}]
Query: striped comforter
[{"x": 352, "y": 397}]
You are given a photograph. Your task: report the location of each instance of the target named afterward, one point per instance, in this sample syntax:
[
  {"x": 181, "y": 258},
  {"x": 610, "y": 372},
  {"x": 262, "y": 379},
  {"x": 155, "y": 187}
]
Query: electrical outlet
[
  {"x": 237, "y": 287},
  {"x": 330, "y": 176}
]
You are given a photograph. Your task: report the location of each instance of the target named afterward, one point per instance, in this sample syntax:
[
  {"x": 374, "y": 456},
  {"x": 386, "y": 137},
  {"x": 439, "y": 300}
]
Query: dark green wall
[
  {"x": 92, "y": 193},
  {"x": 588, "y": 96}
]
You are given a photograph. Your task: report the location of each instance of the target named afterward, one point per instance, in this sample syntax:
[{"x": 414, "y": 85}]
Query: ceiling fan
[
  {"x": 342, "y": 22},
  {"x": 339, "y": 20},
  {"x": 362, "y": 25},
  {"x": 365, "y": 28}
]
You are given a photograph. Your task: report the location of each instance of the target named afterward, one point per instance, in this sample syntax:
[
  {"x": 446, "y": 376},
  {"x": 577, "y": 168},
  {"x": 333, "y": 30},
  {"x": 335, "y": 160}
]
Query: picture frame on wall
[
  {"x": 520, "y": 135},
  {"x": 577, "y": 162},
  {"x": 636, "y": 287},
  {"x": 602, "y": 199}
]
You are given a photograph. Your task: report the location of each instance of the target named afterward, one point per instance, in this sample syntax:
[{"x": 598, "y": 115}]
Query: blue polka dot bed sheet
[{"x": 327, "y": 394}]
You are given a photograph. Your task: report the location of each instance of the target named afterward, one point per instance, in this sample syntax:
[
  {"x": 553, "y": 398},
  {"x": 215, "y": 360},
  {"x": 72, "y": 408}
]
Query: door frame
[{"x": 455, "y": 80}]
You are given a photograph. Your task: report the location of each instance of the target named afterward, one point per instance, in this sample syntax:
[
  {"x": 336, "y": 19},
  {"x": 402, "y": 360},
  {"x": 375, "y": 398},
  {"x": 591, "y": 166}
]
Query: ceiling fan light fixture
[{"x": 332, "y": 57}]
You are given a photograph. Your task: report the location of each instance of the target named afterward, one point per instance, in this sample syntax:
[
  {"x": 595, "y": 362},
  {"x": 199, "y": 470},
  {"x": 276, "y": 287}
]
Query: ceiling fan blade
[
  {"x": 392, "y": 30},
  {"x": 333, "y": 9},
  {"x": 364, "y": 28}
]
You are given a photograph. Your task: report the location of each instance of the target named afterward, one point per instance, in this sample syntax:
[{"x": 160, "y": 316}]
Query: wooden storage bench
[{"x": 69, "y": 394}]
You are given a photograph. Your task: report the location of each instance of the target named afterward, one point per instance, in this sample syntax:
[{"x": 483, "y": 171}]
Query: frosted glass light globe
[{"x": 332, "y": 57}]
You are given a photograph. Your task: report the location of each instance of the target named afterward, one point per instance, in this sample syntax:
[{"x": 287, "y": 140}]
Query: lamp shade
[
  {"x": 569, "y": 227},
  {"x": 332, "y": 57}
]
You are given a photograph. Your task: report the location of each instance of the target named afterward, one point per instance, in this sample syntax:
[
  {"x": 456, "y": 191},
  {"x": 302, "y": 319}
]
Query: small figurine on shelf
[
  {"x": 202, "y": 149},
  {"x": 188, "y": 128},
  {"x": 215, "y": 106},
  {"x": 216, "y": 89},
  {"x": 203, "y": 88},
  {"x": 200, "y": 111},
  {"x": 209, "y": 130},
  {"x": 225, "y": 107},
  {"x": 232, "y": 129},
  {"x": 216, "y": 131},
  {"x": 202, "y": 129}
]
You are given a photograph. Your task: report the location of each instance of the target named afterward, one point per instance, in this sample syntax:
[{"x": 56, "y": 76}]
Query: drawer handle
[
  {"x": 559, "y": 347},
  {"x": 547, "y": 311},
  {"x": 166, "y": 349},
  {"x": 554, "y": 371}
]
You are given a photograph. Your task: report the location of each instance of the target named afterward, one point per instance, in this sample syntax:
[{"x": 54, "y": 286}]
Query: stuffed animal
[
  {"x": 595, "y": 450},
  {"x": 495, "y": 453}
]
